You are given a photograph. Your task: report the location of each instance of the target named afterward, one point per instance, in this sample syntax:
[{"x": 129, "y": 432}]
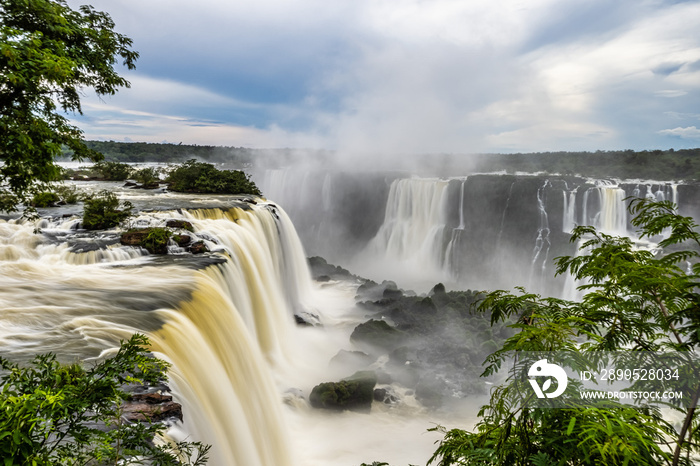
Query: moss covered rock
[{"x": 354, "y": 393}]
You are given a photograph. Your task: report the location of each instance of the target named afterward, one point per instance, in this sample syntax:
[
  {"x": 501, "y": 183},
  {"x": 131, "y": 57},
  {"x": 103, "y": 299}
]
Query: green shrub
[
  {"x": 45, "y": 199},
  {"x": 156, "y": 241},
  {"x": 200, "y": 177},
  {"x": 68, "y": 193},
  {"x": 56, "y": 414},
  {"x": 113, "y": 171},
  {"x": 148, "y": 177},
  {"x": 104, "y": 210}
]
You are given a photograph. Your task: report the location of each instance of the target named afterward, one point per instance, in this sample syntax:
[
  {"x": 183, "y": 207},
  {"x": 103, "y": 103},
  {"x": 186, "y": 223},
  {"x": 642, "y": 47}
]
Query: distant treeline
[
  {"x": 655, "y": 164},
  {"x": 153, "y": 152}
]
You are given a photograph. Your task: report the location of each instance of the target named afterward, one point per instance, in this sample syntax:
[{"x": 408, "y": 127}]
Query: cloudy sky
[{"x": 407, "y": 75}]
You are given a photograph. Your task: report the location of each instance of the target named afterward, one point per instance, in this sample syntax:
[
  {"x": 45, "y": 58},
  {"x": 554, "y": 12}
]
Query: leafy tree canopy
[
  {"x": 201, "y": 177},
  {"x": 637, "y": 306},
  {"x": 55, "y": 414},
  {"x": 48, "y": 54}
]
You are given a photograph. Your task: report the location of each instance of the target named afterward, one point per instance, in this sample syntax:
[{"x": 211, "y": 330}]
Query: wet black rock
[
  {"x": 376, "y": 335},
  {"x": 384, "y": 395},
  {"x": 322, "y": 271},
  {"x": 179, "y": 224}
]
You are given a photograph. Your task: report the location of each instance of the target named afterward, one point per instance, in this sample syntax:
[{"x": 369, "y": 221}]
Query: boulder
[
  {"x": 151, "y": 407},
  {"x": 179, "y": 224},
  {"x": 384, "y": 395},
  {"x": 376, "y": 334},
  {"x": 182, "y": 240},
  {"x": 134, "y": 238},
  {"x": 198, "y": 247},
  {"x": 354, "y": 393}
]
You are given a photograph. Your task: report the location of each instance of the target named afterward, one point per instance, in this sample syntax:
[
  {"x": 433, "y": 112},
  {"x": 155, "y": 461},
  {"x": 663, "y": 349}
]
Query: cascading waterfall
[
  {"x": 455, "y": 243},
  {"x": 224, "y": 328},
  {"x": 569, "y": 217},
  {"x": 542, "y": 244},
  {"x": 229, "y": 396},
  {"x": 461, "y": 205},
  {"x": 612, "y": 217},
  {"x": 412, "y": 232}
]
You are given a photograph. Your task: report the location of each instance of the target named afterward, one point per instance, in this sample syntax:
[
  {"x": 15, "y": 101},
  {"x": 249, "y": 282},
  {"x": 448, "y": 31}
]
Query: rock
[
  {"x": 151, "y": 407},
  {"x": 392, "y": 294},
  {"x": 182, "y": 240},
  {"x": 301, "y": 321},
  {"x": 198, "y": 247},
  {"x": 134, "y": 238},
  {"x": 354, "y": 393},
  {"x": 376, "y": 334},
  {"x": 369, "y": 290},
  {"x": 438, "y": 290},
  {"x": 179, "y": 224},
  {"x": 384, "y": 395},
  {"x": 323, "y": 271},
  {"x": 157, "y": 244}
]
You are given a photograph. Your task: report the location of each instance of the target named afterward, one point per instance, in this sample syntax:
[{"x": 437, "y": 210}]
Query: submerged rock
[{"x": 354, "y": 393}]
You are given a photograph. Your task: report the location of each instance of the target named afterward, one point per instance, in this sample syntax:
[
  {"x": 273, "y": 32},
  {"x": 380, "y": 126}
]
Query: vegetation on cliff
[
  {"x": 200, "y": 177},
  {"x": 638, "y": 306},
  {"x": 51, "y": 413}
]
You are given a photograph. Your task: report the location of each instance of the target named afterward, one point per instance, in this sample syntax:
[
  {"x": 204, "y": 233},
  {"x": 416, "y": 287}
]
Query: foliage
[
  {"x": 68, "y": 193},
  {"x": 156, "y": 241},
  {"x": 104, "y": 210},
  {"x": 648, "y": 164},
  {"x": 636, "y": 302},
  {"x": 50, "y": 53},
  {"x": 51, "y": 414},
  {"x": 148, "y": 177},
  {"x": 139, "y": 152},
  {"x": 113, "y": 171},
  {"x": 200, "y": 177},
  {"x": 45, "y": 199}
]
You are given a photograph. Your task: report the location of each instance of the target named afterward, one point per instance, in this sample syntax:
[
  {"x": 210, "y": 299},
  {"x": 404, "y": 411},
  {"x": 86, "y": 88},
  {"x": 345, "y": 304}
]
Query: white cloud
[
  {"x": 670, "y": 93},
  {"x": 691, "y": 132},
  {"x": 414, "y": 75},
  {"x": 155, "y": 110}
]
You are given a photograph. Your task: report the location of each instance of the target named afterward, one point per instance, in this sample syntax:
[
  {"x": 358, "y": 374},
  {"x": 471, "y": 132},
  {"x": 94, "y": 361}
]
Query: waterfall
[
  {"x": 225, "y": 328},
  {"x": 542, "y": 244},
  {"x": 569, "y": 217},
  {"x": 612, "y": 217},
  {"x": 454, "y": 246},
  {"x": 229, "y": 396},
  {"x": 461, "y": 205},
  {"x": 411, "y": 236}
]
